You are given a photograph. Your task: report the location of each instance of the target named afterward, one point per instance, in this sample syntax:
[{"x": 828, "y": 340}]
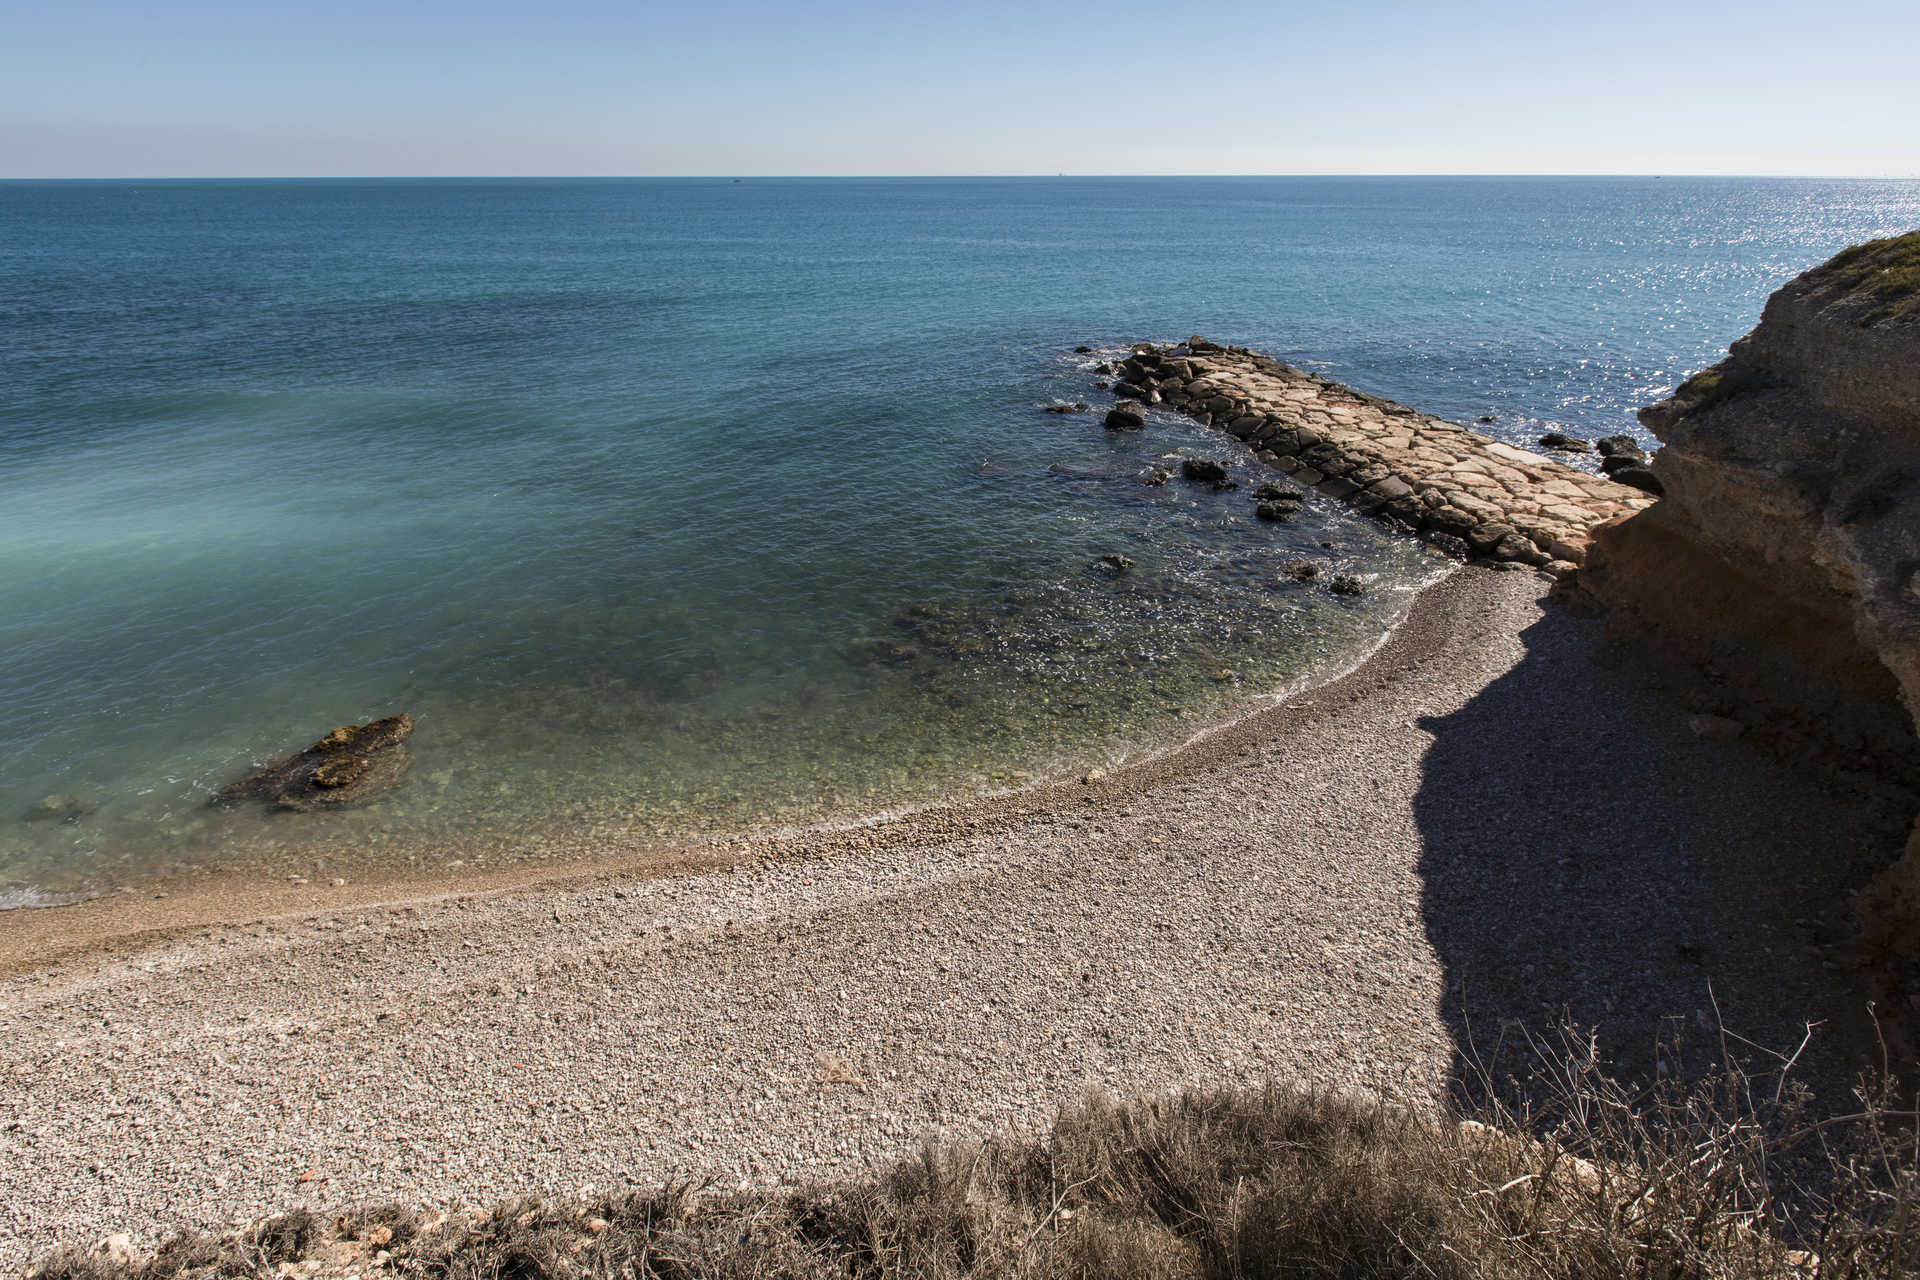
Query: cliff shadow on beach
[{"x": 1590, "y": 861}]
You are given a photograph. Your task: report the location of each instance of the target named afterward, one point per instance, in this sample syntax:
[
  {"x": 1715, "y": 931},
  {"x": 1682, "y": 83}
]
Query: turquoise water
[{"x": 673, "y": 505}]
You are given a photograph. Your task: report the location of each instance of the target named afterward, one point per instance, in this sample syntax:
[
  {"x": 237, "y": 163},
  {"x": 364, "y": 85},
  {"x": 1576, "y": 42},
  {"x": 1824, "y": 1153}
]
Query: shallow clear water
[{"x": 667, "y": 505}]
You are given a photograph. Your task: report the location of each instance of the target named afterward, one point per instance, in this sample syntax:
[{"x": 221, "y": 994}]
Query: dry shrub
[{"x": 1567, "y": 1174}]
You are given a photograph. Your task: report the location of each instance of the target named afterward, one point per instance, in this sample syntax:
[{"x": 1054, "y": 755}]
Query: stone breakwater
[{"x": 1465, "y": 492}]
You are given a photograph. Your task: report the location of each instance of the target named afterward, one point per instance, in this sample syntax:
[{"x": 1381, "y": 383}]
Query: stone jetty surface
[{"x": 1464, "y": 491}]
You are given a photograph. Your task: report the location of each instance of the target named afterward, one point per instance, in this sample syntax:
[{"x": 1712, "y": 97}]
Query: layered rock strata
[
  {"x": 1777, "y": 583},
  {"x": 1464, "y": 491}
]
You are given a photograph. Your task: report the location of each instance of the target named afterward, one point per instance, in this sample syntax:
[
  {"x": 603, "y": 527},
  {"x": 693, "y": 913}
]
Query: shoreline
[
  {"x": 1337, "y": 891},
  {"x": 130, "y": 920}
]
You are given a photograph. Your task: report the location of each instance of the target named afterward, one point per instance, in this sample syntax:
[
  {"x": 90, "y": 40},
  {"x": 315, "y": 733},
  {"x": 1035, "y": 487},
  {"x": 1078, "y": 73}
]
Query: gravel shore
[{"x": 1477, "y": 826}]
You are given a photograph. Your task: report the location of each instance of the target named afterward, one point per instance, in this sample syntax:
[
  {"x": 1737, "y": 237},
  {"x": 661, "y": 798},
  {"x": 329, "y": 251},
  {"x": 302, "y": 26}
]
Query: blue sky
[{"x": 197, "y": 88}]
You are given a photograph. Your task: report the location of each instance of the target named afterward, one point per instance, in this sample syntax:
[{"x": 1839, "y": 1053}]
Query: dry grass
[{"x": 1727, "y": 1178}]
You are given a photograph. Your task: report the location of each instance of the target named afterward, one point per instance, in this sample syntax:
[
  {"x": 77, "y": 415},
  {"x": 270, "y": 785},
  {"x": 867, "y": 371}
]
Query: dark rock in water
[
  {"x": 1610, "y": 445},
  {"x": 1132, "y": 391},
  {"x": 1082, "y": 350},
  {"x": 1104, "y": 366},
  {"x": 57, "y": 809},
  {"x": 1614, "y": 462},
  {"x": 886, "y": 651},
  {"x": 1114, "y": 562},
  {"x": 1102, "y": 385},
  {"x": 1451, "y": 544},
  {"x": 1564, "y": 443},
  {"x": 1278, "y": 493},
  {"x": 1303, "y": 571},
  {"x": 1205, "y": 471},
  {"x": 1276, "y": 512},
  {"x": 341, "y": 768},
  {"x": 1156, "y": 477},
  {"x": 1640, "y": 477},
  {"x": 1200, "y": 346},
  {"x": 1078, "y": 406},
  {"x": 1345, "y": 584},
  {"x": 1127, "y": 416},
  {"x": 1486, "y": 417}
]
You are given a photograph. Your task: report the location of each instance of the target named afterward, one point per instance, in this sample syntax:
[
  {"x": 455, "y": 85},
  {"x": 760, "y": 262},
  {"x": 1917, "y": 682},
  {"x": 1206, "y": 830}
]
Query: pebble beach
[{"x": 1477, "y": 830}]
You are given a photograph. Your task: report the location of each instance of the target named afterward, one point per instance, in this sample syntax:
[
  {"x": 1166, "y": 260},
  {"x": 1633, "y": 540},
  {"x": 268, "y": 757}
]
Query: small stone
[
  {"x": 1092, "y": 776},
  {"x": 1078, "y": 406},
  {"x": 1716, "y": 728},
  {"x": 1276, "y": 512},
  {"x": 1303, "y": 571},
  {"x": 1115, "y": 561},
  {"x": 117, "y": 1247},
  {"x": 1345, "y": 584}
]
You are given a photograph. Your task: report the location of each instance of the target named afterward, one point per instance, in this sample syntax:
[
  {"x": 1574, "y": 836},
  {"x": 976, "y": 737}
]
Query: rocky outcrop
[
  {"x": 1464, "y": 492},
  {"x": 1777, "y": 582},
  {"x": 344, "y": 767}
]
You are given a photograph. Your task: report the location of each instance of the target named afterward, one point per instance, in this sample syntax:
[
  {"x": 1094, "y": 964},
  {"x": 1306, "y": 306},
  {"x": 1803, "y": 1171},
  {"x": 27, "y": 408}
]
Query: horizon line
[{"x": 923, "y": 177}]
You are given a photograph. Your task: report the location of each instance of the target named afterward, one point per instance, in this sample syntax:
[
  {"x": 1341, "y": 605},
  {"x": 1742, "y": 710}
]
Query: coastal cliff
[{"x": 1776, "y": 585}]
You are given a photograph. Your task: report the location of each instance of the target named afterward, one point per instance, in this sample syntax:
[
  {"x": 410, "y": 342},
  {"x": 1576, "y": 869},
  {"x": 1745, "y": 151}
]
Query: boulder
[
  {"x": 1565, "y": 443},
  {"x": 1640, "y": 477},
  {"x": 1621, "y": 459},
  {"x": 1205, "y": 471},
  {"x": 1610, "y": 445},
  {"x": 345, "y": 767},
  {"x": 1129, "y": 415}
]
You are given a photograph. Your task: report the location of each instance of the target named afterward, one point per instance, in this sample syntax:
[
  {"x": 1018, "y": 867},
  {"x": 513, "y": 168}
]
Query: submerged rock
[
  {"x": 1114, "y": 562},
  {"x": 57, "y": 809},
  {"x": 1345, "y": 584},
  {"x": 344, "y": 767},
  {"x": 1078, "y": 406},
  {"x": 1565, "y": 443}
]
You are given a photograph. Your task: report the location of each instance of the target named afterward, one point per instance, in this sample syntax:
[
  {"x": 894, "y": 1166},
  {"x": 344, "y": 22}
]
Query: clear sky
[{"x": 192, "y": 88}]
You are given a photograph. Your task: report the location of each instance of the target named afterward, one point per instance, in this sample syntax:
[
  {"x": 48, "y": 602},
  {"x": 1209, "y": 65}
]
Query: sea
[{"x": 670, "y": 509}]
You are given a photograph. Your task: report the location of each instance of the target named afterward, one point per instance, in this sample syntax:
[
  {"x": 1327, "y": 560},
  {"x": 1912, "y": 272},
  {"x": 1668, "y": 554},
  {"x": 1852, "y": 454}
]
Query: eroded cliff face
[{"x": 1777, "y": 582}]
